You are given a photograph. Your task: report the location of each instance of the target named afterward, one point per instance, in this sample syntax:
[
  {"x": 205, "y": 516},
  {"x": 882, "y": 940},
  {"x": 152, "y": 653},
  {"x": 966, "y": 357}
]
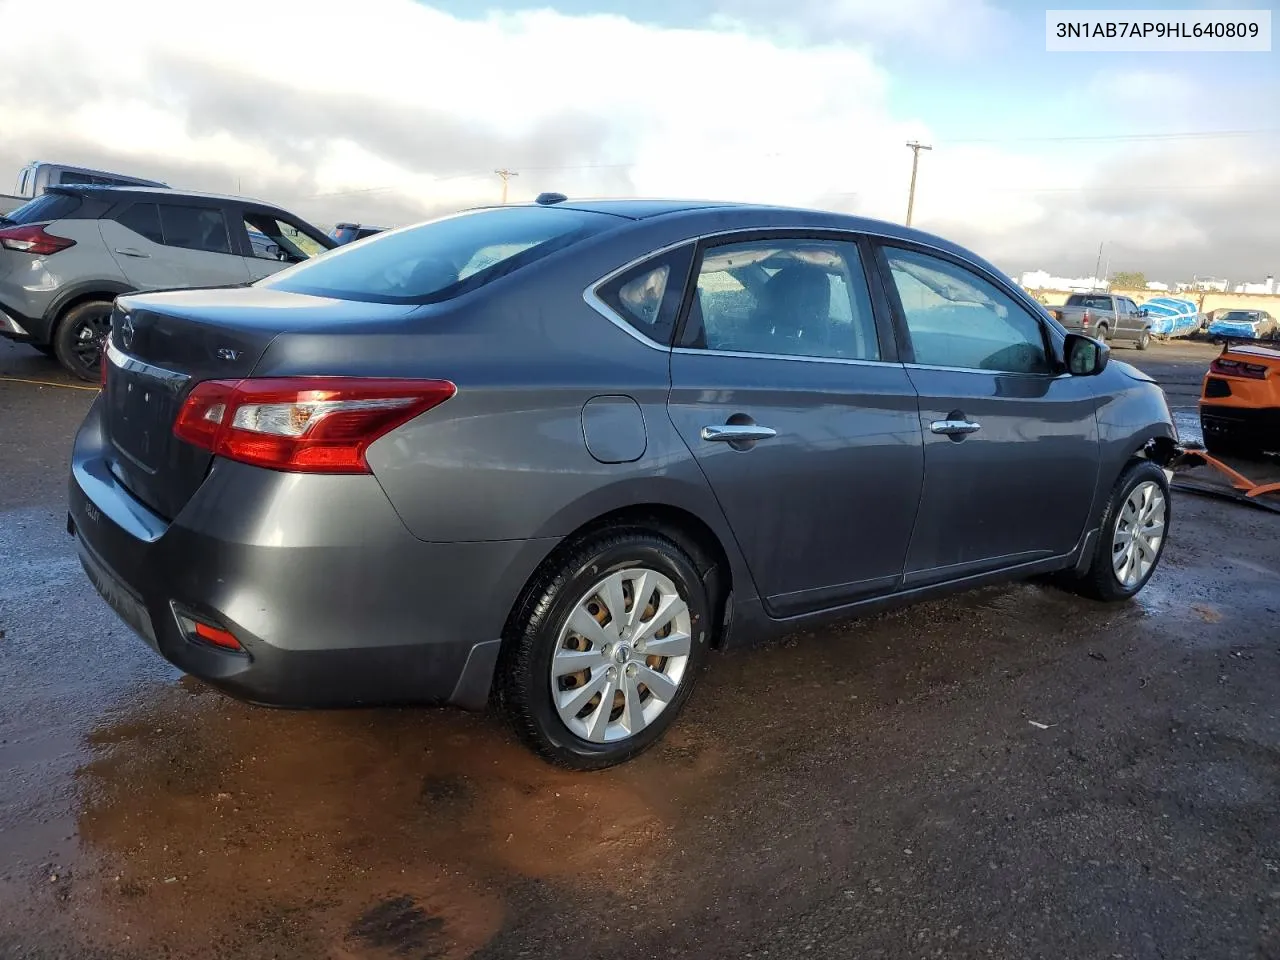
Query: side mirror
[
  {"x": 1142, "y": 312},
  {"x": 1085, "y": 356}
]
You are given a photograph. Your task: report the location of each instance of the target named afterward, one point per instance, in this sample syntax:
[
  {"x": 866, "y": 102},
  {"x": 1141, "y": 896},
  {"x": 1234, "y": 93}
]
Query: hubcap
[
  {"x": 90, "y": 336},
  {"x": 1139, "y": 533},
  {"x": 621, "y": 655}
]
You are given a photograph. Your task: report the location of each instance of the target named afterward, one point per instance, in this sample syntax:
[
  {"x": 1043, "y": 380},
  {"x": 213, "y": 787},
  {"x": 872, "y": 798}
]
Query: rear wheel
[
  {"x": 1102, "y": 332},
  {"x": 80, "y": 336},
  {"x": 1132, "y": 535},
  {"x": 603, "y": 654}
]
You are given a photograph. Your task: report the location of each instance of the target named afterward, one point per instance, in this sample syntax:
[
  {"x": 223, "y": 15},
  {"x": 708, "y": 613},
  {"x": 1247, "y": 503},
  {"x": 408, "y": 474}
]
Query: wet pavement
[{"x": 1012, "y": 773}]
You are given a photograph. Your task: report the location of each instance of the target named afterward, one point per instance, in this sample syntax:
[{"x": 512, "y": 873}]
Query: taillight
[
  {"x": 1084, "y": 320},
  {"x": 303, "y": 424},
  {"x": 1238, "y": 368},
  {"x": 32, "y": 238}
]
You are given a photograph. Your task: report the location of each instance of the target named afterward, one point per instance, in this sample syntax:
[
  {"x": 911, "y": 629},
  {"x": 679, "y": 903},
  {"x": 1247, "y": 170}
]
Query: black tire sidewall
[
  {"x": 1144, "y": 340},
  {"x": 1104, "y": 574},
  {"x": 582, "y": 570},
  {"x": 64, "y": 339}
]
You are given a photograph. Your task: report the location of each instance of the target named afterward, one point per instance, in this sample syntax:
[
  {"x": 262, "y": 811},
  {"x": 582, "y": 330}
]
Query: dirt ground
[{"x": 1014, "y": 773}]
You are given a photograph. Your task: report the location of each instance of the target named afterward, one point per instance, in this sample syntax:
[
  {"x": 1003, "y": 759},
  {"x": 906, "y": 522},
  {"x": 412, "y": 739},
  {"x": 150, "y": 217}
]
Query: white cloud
[
  {"x": 933, "y": 25},
  {"x": 388, "y": 110}
]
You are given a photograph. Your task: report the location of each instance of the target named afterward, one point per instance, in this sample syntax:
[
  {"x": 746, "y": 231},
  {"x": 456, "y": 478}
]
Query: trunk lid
[{"x": 163, "y": 344}]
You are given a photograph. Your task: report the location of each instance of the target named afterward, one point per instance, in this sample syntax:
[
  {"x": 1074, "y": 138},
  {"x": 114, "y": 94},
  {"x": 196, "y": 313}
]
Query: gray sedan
[{"x": 553, "y": 454}]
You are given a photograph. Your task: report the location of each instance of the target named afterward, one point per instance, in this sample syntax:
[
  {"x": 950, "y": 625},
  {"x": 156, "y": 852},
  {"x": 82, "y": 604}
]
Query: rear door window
[
  {"x": 143, "y": 219},
  {"x": 787, "y": 297},
  {"x": 195, "y": 228}
]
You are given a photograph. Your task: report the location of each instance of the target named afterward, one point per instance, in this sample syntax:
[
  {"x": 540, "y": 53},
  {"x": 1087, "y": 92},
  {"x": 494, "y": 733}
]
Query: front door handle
[
  {"x": 738, "y": 432},
  {"x": 133, "y": 252},
  {"x": 955, "y": 428}
]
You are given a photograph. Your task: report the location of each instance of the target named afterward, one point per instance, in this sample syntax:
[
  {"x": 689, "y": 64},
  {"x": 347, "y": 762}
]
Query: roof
[
  {"x": 636, "y": 209},
  {"x": 104, "y": 191}
]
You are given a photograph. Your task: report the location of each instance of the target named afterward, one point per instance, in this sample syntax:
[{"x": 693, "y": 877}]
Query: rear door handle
[
  {"x": 738, "y": 432},
  {"x": 955, "y": 428},
  {"x": 133, "y": 252}
]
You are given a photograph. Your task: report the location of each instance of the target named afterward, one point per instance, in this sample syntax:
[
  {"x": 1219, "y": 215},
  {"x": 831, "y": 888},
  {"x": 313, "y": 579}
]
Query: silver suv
[{"x": 66, "y": 255}]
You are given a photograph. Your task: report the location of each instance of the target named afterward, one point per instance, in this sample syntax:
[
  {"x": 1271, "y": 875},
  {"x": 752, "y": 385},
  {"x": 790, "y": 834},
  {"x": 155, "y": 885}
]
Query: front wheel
[
  {"x": 1132, "y": 535},
  {"x": 603, "y": 654},
  {"x": 1144, "y": 340},
  {"x": 80, "y": 335}
]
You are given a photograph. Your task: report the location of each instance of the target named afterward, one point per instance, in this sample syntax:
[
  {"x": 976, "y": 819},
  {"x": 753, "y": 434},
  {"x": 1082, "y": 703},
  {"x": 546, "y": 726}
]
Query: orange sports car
[{"x": 1240, "y": 400}]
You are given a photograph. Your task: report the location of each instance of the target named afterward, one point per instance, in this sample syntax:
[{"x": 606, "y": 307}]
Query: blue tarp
[
  {"x": 1236, "y": 328},
  {"x": 1171, "y": 317}
]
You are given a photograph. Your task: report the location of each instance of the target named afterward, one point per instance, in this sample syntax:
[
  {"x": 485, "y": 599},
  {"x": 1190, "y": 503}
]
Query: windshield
[
  {"x": 440, "y": 259},
  {"x": 1239, "y": 316}
]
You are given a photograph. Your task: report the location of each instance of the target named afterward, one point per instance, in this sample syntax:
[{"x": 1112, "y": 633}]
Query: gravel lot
[{"x": 1013, "y": 773}]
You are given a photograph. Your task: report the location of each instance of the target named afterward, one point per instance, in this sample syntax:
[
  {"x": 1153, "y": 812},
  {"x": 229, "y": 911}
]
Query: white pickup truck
[{"x": 35, "y": 178}]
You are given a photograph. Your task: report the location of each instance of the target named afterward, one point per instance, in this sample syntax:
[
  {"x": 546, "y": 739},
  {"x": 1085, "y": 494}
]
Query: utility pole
[
  {"x": 916, "y": 147},
  {"x": 506, "y": 176},
  {"x": 1098, "y": 266}
]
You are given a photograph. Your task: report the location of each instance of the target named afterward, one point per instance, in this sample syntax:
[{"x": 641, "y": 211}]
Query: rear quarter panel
[{"x": 506, "y": 458}]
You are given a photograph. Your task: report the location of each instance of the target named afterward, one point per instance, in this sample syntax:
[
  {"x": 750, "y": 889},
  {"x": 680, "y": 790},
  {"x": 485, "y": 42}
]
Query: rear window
[
  {"x": 440, "y": 259},
  {"x": 46, "y": 207},
  {"x": 1093, "y": 303}
]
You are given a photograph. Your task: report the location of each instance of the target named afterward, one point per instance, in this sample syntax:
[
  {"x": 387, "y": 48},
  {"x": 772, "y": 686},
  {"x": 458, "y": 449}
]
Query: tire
[
  {"x": 1144, "y": 340},
  {"x": 78, "y": 338},
  {"x": 574, "y": 588},
  {"x": 1102, "y": 581},
  {"x": 1102, "y": 332}
]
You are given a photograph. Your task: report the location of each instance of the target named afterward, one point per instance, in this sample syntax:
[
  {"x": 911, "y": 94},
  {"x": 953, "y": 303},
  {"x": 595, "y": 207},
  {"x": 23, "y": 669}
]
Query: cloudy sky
[{"x": 388, "y": 111}]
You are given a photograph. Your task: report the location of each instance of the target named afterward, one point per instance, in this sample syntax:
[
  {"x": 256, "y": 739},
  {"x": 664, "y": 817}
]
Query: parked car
[
  {"x": 349, "y": 232},
  {"x": 1244, "y": 324},
  {"x": 35, "y": 178},
  {"x": 65, "y": 255},
  {"x": 1240, "y": 401},
  {"x": 1106, "y": 317},
  {"x": 559, "y": 452},
  {"x": 1171, "y": 317}
]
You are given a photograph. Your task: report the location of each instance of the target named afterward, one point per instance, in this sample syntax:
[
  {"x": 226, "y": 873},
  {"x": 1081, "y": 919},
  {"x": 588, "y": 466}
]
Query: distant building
[
  {"x": 1211, "y": 284},
  {"x": 1043, "y": 280},
  {"x": 1157, "y": 286},
  {"x": 1267, "y": 286}
]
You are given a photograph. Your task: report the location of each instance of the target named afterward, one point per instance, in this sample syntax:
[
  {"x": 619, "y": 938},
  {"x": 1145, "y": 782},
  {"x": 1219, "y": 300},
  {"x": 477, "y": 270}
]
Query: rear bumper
[
  {"x": 333, "y": 600},
  {"x": 1253, "y": 426},
  {"x": 14, "y": 326}
]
